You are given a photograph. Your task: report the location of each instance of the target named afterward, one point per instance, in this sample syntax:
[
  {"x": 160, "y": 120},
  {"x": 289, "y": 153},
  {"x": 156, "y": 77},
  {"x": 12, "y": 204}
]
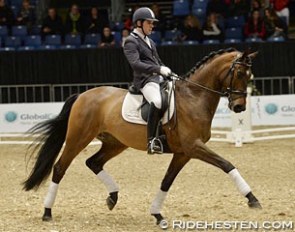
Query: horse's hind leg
[
  {"x": 111, "y": 147},
  {"x": 202, "y": 152},
  {"x": 177, "y": 163}
]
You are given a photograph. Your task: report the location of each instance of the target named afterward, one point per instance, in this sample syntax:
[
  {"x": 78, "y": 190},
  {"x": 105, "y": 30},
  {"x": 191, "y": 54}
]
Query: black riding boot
[{"x": 154, "y": 144}]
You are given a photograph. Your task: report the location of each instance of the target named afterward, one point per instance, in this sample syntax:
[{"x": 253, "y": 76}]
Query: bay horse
[{"x": 96, "y": 113}]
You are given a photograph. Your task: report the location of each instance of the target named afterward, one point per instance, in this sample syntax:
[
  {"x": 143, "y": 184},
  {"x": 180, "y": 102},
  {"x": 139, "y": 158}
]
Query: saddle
[{"x": 135, "y": 107}]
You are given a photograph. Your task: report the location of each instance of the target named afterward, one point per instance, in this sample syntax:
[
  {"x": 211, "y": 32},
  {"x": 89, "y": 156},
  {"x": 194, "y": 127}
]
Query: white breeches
[{"x": 151, "y": 92}]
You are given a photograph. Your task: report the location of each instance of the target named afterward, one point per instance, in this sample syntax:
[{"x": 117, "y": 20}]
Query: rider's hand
[{"x": 165, "y": 71}]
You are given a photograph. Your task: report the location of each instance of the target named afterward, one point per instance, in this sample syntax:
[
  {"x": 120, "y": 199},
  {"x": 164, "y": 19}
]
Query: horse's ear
[{"x": 253, "y": 55}]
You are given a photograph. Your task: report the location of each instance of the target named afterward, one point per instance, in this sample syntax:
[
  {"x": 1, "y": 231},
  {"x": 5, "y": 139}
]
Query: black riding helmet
[{"x": 144, "y": 13}]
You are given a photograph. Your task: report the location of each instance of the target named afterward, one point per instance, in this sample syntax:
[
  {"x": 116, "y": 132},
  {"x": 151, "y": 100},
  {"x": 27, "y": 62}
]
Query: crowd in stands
[{"x": 192, "y": 22}]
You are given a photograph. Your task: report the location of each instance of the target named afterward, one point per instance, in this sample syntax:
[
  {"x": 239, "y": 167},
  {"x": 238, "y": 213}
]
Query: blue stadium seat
[
  {"x": 156, "y": 37},
  {"x": 68, "y": 46},
  {"x": 200, "y": 4},
  {"x": 190, "y": 42},
  {"x": 253, "y": 40},
  {"x": 234, "y": 33},
  {"x": 36, "y": 30},
  {"x": 74, "y": 40},
  {"x": 88, "y": 46},
  {"x": 117, "y": 26},
  {"x": 118, "y": 37},
  {"x": 200, "y": 13},
  {"x": 3, "y": 31},
  {"x": 26, "y": 48},
  {"x": 16, "y": 3},
  {"x": 232, "y": 41},
  {"x": 20, "y": 31},
  {"x": 47, "y": 47},
  {"x": 15, "y": 10},
  {"x": 181, "y": 7},
  {"x": 276, "y": 39},
  {"x": 7, "y": 49},
  {"x": 33, "y": 40},
  {"x": 171, "y": 35},
  {"x": 13, "y": 41},
  {"x": 53, "y": 40},
  {"x": 92, "y": 39},
  {"x": 237, "y": 21},
  {"x": 211, "y": 41},
  {"x": 168, "y": 43}
]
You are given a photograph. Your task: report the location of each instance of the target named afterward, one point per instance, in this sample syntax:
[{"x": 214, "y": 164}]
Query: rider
[{"x": 148, "y": 69}]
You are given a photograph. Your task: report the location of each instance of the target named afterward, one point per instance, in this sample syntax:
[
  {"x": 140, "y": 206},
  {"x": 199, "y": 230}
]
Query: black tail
[{"x": 52, "y": 135}]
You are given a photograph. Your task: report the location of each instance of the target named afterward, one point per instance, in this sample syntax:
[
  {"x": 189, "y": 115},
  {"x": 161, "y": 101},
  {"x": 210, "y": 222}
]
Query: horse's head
[{"x": 237, "y": 79}]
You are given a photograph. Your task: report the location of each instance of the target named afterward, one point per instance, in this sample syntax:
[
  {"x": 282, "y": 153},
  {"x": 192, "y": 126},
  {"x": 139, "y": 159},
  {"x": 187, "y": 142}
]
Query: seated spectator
[
  {"x": 255, "y": 27},
  {"x": 74, "y": 21},
  {"x": 26, "y": 15},
  {"x": 6, "y": 14},
  {"x": 52, "y": 24},
  {"x": 128, "y": 21},
  {"x": 125, "y": 34},
  {"x": 159, "y": 26},
  {"x": 281, "y": 8},
  {"x": 211, "y": 29},
  {"x": 274, "y": 26},
  {"x": 95, "y": 23},
  {"x": 107, "y": 39},
  {"x": 256, "y": 5},
  {"x": 191, "y": 29},
  {"x": 238, "y": 8}
]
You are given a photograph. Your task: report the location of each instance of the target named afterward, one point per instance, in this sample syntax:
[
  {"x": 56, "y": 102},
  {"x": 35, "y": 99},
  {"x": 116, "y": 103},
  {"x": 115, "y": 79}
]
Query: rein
[{"x": 229, "y": 89}]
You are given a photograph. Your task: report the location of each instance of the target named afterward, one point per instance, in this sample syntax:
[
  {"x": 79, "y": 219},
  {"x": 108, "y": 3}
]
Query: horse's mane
[{"x": 206, "y": 58}]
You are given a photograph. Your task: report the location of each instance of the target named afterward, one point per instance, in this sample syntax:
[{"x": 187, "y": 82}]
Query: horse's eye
[{"x": 240, "y": 74}]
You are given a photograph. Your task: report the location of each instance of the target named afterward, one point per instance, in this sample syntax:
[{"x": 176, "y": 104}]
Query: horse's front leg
[
  {"x": 199, "y": 150},
  {"x": 177, "y": 163}
]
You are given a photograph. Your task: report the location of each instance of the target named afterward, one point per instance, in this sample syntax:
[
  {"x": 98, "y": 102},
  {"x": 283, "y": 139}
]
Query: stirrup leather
[{"x": 155, "y": 146}]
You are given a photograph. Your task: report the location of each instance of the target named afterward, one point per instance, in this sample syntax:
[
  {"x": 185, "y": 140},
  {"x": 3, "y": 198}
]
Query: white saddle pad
[{"x": 131, "y": 111}]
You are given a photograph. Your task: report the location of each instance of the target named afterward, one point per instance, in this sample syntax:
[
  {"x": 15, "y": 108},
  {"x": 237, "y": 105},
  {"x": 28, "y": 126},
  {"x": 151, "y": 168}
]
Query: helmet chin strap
[{"x": 141, "y": 27}]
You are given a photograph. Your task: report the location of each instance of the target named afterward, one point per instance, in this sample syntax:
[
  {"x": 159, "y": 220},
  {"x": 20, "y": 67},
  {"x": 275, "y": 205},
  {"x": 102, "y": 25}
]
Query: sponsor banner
[
  {"x": 21, "y": 117},
  {"x": 265, "y": 110}
]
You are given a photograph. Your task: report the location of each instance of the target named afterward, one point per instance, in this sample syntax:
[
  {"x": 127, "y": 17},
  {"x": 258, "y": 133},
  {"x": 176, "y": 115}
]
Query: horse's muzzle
[{"x": 239, "y": 108}]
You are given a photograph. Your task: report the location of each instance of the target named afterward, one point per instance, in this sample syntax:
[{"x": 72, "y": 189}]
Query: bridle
[{"x": 229, "y": 90}]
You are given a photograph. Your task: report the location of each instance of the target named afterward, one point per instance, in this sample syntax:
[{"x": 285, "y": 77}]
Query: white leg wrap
[
  {"x": 51, "y": 194},
  {"x": 241, "y": 184},
  {"x": 158, "y": 202},
  {"x": 108, "y": 181}
]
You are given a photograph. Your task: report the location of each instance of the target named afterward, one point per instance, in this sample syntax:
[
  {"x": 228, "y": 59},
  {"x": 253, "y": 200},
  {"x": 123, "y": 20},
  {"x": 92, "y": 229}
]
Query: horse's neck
[{"x": 209, "y": 77}]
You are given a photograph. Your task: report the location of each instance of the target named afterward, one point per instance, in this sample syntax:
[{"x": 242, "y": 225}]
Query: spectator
[
  {"x": 211, "y": 29},
  {"x": 6, "y": 14},
  {"x": 26, "y": 15},
  {"x": 107, "y": 39},
  {"x": 281, "y": 8},
  {"x": 254, "y": 27},
  {"x": 238, "y": 8},
  {"x": 274, "y": 26},
  {"x": 159, "y": 26},
  {"x": 128, "y": 21},
  {"x": 191, "y": 29},
  {"x": 95, "y": 22},
  {"x": 256, "y": 5},
  {"x": 125, "y": 34},
  {"x": 74, "y": 21},
  {"x": 52, "y": 24}
]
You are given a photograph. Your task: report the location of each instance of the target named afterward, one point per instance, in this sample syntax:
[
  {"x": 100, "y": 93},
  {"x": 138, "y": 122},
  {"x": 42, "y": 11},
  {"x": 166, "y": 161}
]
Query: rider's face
[{"x": 147, "y": 26}]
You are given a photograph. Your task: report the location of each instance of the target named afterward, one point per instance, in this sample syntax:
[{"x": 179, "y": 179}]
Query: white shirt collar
[{"x": 141, "y": 35}]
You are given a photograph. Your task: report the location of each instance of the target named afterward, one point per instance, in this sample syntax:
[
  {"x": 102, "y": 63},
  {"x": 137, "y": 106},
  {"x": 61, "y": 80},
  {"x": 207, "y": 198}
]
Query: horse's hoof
[
  {"x": 254, "y": 205},
  {"x": 112, "y": 200},
  {"x": 161, "y": 221},
  {"x": 47, "y": 215},
  {"x": 46, "y": 218}
]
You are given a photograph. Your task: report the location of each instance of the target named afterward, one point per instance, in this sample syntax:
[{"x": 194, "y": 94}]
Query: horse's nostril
[{"x": 239, "y": 108}]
